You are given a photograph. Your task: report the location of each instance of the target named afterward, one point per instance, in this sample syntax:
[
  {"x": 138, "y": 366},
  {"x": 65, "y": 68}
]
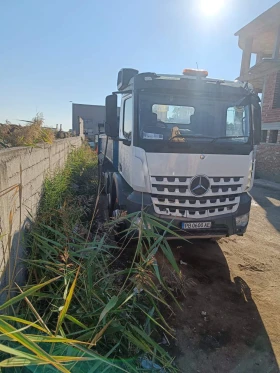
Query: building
[
  {"x": 262, "y": 38},
  {"x": 92, "y": 115}
]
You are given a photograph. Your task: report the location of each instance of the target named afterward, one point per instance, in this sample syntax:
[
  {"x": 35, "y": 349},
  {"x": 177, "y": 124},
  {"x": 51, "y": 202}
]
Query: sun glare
[{"x": 212, "y": 7}]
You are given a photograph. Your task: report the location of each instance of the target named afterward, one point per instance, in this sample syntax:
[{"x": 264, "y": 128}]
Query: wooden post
[
  {"x": 275, "y": 54},
  {"x": 246, "y": 56}
]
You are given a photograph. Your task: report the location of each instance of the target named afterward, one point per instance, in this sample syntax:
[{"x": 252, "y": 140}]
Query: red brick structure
[
  {"x": 262, "y": 38},
  {"x": 271, "y": 111},
  {"x": 268, "y": 162}
]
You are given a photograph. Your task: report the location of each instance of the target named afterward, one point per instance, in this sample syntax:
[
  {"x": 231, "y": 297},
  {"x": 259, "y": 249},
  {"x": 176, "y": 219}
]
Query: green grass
[{"x": 83, "y": 309}]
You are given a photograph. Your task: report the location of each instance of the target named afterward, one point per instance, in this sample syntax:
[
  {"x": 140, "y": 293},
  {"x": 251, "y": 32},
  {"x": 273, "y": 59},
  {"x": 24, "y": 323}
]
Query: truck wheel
[{"x": 120, "y": 227}]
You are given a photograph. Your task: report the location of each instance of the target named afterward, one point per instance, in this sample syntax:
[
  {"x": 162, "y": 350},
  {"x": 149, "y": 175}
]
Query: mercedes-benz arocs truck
[{"x": 182, "y": 148}]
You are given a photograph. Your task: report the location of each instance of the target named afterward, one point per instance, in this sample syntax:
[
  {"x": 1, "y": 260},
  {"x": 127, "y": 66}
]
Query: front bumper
[{"x": 223, "y": 225}]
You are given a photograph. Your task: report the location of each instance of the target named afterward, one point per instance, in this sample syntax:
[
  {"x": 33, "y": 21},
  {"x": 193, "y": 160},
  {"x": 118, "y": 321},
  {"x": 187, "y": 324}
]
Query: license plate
[{"x": 198, "y": 225}]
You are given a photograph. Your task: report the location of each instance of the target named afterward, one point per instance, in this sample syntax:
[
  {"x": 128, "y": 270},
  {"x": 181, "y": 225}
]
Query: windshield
[{"x": 183, "y": 119}]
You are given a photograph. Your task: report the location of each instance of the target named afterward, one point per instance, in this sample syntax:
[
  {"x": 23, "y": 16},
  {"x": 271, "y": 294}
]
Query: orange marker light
[{"x": 195, "y": 72}]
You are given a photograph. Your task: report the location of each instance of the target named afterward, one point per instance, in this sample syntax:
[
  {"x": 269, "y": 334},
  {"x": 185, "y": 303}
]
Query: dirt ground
[{"x": 230, "y": 317}]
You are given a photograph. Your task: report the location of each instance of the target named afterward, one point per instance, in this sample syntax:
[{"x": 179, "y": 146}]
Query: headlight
[{"x": 242, "y": 220}]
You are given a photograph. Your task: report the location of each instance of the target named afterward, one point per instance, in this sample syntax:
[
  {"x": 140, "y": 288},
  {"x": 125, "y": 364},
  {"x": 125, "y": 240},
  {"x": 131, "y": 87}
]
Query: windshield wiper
[
  {"x": 191, "y": 136},
  {"x": 228, "y": 137}
]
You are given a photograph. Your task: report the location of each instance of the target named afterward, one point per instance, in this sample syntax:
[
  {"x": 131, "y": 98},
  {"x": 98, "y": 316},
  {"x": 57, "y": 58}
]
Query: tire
[
  {"x": 121, "y": 226},
  {"x": 122, "y": 237}
]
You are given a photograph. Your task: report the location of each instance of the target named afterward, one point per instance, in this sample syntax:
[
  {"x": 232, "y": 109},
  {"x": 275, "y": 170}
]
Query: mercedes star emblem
[{"x": 199, "y": 185}]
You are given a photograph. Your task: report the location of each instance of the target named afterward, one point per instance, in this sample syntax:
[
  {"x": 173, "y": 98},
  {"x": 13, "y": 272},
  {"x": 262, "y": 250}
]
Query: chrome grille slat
[
  {"x": 232, "y": 181},
  {"x": 197, "y": 203},
  {"x": 211, "y": 193},
  {"x": 182, "y": 181},
  {"x": 195, "y": 214},
  {"x": 178, "y": 180},
  {"x": 171, "y": 196}
]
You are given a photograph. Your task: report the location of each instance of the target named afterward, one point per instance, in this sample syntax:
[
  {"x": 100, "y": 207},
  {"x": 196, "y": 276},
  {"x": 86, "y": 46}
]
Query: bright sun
[{"x": 212, "y": 7}]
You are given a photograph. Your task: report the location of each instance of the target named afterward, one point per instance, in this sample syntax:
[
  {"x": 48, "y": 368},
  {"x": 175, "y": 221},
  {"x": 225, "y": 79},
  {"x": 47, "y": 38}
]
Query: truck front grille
[{"x": 171, "y": 196}]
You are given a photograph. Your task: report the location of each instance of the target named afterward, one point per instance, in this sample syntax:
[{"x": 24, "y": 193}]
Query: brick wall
[
  {"x": 270, "y": 115},
  {"x": 268, "y": 162},
  {"x": 22, "y": 172}
]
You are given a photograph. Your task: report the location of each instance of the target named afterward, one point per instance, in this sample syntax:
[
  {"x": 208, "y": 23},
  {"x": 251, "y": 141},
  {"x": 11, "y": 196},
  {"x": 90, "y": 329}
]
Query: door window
[{"x": 127, "y": 118}]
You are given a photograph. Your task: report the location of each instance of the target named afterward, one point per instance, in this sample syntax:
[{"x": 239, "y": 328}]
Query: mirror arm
[
  {"x": 122, "y": 92},
  {"x": 125, "y": 141}
]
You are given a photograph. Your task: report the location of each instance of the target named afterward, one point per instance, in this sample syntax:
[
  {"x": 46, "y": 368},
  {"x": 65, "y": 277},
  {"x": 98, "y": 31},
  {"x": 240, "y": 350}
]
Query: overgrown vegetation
[
  {"x": 87, "y": 307},
  {"x": 31, "y": 134},
  {"x": 28, "y": 135}
]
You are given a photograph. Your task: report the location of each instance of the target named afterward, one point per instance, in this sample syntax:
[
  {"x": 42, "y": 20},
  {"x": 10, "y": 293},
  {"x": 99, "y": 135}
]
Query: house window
[
  {"x": 276, "y": 99},
  {"x": 273, "y": 135}
]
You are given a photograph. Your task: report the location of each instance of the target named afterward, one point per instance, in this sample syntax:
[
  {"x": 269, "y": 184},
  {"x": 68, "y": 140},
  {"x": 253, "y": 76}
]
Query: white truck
[{"x": 183, "y": 149}]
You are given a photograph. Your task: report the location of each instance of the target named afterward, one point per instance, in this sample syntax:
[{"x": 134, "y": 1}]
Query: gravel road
[{"x": 230, "y": 317}]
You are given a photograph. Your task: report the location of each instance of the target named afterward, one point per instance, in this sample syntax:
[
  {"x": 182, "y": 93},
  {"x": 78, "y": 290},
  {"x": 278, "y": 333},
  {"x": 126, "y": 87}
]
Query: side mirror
[
  {"x": 124, "y": 77},
  {"x": 111, "y": 120},
  {"x": 257, "y": 120}
]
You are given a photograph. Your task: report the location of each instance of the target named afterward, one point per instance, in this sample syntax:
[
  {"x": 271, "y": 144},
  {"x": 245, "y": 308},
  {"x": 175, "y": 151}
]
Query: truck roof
[
  {"x": 173, "y": 81},
  {"x": 231, "y": 83}
]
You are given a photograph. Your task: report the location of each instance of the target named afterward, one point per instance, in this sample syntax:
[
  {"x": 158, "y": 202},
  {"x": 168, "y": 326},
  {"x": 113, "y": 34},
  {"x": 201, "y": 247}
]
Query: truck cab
[{"x": 182, "y": 149}]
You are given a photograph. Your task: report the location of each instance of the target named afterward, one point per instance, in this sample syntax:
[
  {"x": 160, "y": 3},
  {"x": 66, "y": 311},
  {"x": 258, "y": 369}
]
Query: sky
[{"x": 57, "y": 51}]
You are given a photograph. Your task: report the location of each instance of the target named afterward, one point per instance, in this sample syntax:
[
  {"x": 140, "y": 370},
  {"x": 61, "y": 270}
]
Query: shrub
[
  {"x": 28, "y": 135},
  {"x": 86, "y": 308}
]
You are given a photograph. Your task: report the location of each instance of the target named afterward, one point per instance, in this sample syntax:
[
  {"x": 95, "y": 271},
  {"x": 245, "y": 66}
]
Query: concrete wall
[
  {"x": 268, "y": 162},
  {"x": 22, "y": 172}
]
